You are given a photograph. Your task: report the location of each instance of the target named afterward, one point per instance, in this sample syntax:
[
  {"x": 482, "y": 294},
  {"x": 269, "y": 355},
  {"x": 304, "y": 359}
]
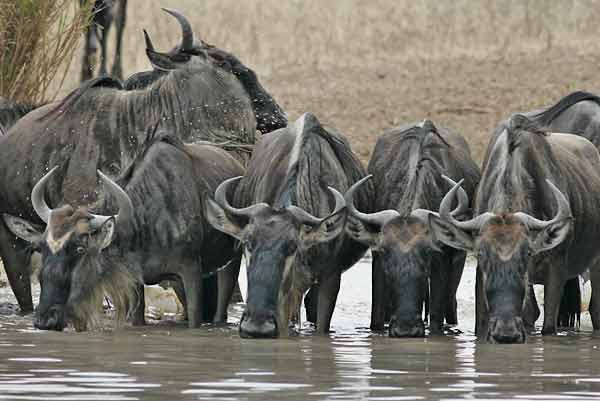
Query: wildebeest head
[
  {"x": 505, "y": 245},
  {"x": 277, "y": 241},
  {"x": 408, "y": 247},
  {"x": 192, "y": 52},
  {"x": 75, "y": 272}
]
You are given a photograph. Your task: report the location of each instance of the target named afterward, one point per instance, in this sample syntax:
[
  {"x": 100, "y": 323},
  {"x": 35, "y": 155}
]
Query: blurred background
[{"x": 365, "y": 66}]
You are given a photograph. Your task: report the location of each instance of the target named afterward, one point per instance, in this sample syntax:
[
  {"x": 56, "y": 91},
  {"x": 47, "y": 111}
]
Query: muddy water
[{"x": 166, "y": 361}]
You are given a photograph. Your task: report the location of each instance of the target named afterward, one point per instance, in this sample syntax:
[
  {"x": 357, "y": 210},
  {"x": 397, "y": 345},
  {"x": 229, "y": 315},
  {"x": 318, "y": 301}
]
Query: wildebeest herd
[{"x": 122, "y": 184}]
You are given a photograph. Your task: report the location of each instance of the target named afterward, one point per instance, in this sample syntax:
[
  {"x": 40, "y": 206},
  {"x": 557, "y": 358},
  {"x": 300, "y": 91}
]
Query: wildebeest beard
[{"x": 96, "y": 276}]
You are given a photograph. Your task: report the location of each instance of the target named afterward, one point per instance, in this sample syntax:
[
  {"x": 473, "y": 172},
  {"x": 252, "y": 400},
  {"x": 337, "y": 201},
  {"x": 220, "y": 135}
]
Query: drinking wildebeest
[
  {"x": 101, "y": 126},
  {"x": 160, "y": 232},
  {"x": 408, "y": 260},
  {"x": 103, "y": 13},
  {"x": 577, "y": 113},
  {"x": 536, "y": 222},
  {"x": 277, "y": 204}
]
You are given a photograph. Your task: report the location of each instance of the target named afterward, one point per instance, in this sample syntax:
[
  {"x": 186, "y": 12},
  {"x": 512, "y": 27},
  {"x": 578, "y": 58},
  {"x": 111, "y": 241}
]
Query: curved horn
[
  {"x": 125, "y": 213},
  {"x": 564, "y": 211},
  {"x": 221, "y": 199},
  {"x": 447, "y": 214},
  {"x": 377, "y": 219},
  {"x": 37, "y": 197},
  {"x": 306, "y": 218},
  {"x": 148, "y": 41},
  {"x": 463, "y": 198},
  {"x": 187, "y": 34}
]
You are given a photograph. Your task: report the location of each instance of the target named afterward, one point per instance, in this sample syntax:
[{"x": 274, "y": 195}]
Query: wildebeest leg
[
  {"x": 180, "y": 292},
  {"x": 481, "y": 318},
  {"x": 594, "y": 307},
  {"x": 328, "y": 292},
  {"x": 210, "y": 295},
  {"x": 103, "y": 45},
  {"x": 378, "y": 292},
  {"x": 454, "y": 276},
  {"x": 89, "y": 50},
  {"x": 553, "y": 290},
  {"x": 138, "y": 315},
  {"x": 227, "y": 280},
  {"x": 531, "y": 311},
  {"x": 192, "y": 283},
  {"x": 311, "y": 301},
  {"x": 437, "y": 298},
  {"x": 117, "y": 69},
  {"x": 16, "y": 258}
]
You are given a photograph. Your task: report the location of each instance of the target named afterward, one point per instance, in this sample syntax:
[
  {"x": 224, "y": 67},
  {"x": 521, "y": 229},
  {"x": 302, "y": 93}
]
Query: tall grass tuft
[{"x": 38, "y": 39}]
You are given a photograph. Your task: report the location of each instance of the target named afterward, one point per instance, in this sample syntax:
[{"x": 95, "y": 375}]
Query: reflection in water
[{"x": 170, "y": 362}]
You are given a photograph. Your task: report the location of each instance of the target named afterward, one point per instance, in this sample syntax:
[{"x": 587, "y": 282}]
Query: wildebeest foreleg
[
  {"x": 137, "y": 316},
  {"x": 16, "y": 258},
  {"x": 454, "y": 276},
  {"x": 437, "y": 298},
  {"x": 531, "y": 311},
  {"x": 378, "y": 303},
  {"x": 121, "y": 17},
  {"x": 192, "y": 283},
  {"x": 481, "y": 312},
  {"x": 328, "y": 292},
  {"x": 553, "y": 290},
  {"x": 594, "y": 307},
  {"x": 227, "y": 279},
  {"x": 103, "y": 46},
  {"x": 311, "y": 303},
  {"x": 89, "y": 50}
]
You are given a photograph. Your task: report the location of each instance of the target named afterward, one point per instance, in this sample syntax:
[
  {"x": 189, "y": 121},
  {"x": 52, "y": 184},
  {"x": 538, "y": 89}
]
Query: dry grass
[
  {"x": 364, "y": 66},
  {"x": 37, "y": 38}
]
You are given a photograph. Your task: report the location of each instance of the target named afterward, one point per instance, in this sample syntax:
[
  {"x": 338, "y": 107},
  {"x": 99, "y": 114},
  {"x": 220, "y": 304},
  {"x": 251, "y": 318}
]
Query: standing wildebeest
[
  {"x": 101, "y": 126},
  {"x": 160, "y": 233},
  {"x": 103, "y": 12},
  {"x": 577, "y": 113},
  {"x": 407, "y": 167},
  {"x": 536, "y": 222},
  {"x": 290, "y": 249}
]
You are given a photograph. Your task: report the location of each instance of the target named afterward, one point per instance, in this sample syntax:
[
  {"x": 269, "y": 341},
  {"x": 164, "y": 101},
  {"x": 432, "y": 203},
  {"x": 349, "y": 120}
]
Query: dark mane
[
  {"x": 154, "y": 136},
  {"x": 73, "y": 97},
  {"x": 308, "y": 146},
  {"x": 11, "y": 111},
  {"x": 547, "y": 116}
]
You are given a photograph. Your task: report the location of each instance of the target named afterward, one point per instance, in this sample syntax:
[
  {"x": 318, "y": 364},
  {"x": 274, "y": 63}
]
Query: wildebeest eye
[{"x": 80, "y": 250}]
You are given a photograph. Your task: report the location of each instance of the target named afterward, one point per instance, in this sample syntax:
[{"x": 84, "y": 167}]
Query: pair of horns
[
  {"x": 187, "y": 33},
  {"x": 379, "y": 219},
  {"x": 124, "y": 202},
  {"x": 299, "y": 214}
]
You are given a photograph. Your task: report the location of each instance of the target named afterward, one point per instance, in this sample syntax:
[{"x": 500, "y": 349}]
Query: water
[{"x": 167, "y": 361}]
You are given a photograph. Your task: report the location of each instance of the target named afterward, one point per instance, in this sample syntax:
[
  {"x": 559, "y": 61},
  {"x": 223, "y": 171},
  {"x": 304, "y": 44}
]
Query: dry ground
[{"x": 365, "y": 66}]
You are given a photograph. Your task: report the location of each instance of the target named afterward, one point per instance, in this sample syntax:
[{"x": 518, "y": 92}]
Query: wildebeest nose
[
  {"x": 251, "y": 327},
  {"x": 507, "y": 331},
  {"x": 51, "y": 320},
  {"x": 416, "y": 328}
]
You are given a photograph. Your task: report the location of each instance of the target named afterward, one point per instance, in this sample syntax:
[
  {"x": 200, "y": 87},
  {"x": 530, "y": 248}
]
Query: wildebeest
[
  {"x": 160, "y": 232},
  {"x": 577, "y": 113},
  {"x": 101, "y": 126},
  {"x": 103, "y": 13},
  {"x": 535, "y": 222},
  {"x": 408, "y": 261},
  {"x": 277, "y": 204}
]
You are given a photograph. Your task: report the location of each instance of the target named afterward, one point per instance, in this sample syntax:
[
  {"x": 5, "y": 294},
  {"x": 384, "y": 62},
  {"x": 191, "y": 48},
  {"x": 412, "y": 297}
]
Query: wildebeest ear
[
  {"x": 104, "y": 235},
  {"x": 330, "y": 228},
  {"x": 160, "y": 61},
  {"x": 363, "y": 233},
  {"x": 448, "y": 234},
  {"x": 550, "y": 236},
  {"x": 23, "y": 229},
  {"x": 217, "y": 218}
]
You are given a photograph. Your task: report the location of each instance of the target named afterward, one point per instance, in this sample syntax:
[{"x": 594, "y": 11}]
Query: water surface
[{"x": 167, "y": 361}]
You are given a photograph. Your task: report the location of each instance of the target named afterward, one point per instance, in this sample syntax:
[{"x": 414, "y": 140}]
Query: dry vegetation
[
  {"x": 37, "y": 37},
  {"x": 364, "y": 66}
]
